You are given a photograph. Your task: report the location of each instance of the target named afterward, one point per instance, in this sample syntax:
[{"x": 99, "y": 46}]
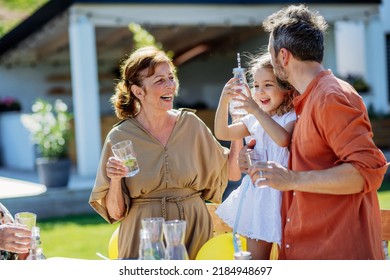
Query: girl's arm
[
  {"x": 222, "y": 130},
  {"x": 279, "y": 134}
]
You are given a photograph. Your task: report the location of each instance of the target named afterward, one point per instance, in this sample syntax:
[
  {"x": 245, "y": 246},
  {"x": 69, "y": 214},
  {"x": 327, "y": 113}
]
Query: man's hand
[{"x": 275, "y": 175}]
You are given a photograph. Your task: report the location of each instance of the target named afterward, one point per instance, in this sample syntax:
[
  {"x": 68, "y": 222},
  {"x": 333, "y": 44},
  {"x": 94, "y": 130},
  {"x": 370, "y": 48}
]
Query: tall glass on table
[
  {"x": 174, "y": 233},
  {"x": 36, "y": 251},
  {"x": 154, "y": 226}
]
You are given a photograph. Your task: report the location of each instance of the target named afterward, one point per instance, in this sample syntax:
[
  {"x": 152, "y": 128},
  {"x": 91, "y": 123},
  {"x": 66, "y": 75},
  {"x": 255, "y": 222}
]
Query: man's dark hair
[{"x": 298, "y": 30}]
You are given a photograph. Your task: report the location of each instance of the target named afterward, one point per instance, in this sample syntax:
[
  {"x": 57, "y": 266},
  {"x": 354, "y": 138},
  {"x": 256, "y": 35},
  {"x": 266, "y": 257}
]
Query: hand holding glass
[
  {"x": 258, "y": 157},
  {"x": 124, "y": 151}
]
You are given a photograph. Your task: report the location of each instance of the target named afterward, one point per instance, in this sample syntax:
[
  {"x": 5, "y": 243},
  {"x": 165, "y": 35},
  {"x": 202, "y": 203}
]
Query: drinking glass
[
  {"x": 145, "y": 251},
  {"x": 242, "y": 255},
  {"x": 237, "y": 114},
  {"x": 27, "y": 219},
  {"x": 124, "y": 151},
  {"x": 174, "y": 232},
  {"x": 155, "y": 228},
  {"x": 259, "y": 157}
]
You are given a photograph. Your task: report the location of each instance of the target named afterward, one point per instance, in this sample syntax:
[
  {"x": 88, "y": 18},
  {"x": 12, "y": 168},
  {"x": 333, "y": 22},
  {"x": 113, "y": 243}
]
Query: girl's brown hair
[
  {"x": 124, "y": 101},
  {"x": 263, "y": 60}
]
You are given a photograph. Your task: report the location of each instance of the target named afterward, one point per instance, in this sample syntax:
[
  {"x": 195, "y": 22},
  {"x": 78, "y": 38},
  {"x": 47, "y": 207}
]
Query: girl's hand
[
  {"x": 248, "y": 103},
  {"x": 230, "y": 90},
  {"x": 115, "y": 169}
]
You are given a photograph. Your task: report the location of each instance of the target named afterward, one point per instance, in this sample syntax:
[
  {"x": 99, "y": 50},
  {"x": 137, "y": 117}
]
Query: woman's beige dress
[{"x": 173, "y": 181}]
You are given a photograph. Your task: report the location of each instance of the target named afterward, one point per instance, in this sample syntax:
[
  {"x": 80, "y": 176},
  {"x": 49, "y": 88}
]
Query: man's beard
[
  {"x": 281, "y": 77},
  {"x": 283, "y": 84}
]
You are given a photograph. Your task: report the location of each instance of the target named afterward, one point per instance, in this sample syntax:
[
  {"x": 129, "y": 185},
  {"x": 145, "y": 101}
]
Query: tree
[{"x": 143, "y": 38}]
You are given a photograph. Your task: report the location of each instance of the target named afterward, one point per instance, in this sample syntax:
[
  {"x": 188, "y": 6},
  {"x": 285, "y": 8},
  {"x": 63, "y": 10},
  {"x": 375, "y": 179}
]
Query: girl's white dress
[{"x": 260, "y": 217}]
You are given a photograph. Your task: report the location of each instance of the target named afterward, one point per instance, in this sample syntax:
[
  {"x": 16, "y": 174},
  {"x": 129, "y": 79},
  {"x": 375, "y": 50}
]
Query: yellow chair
[
  {"x": 219, "y": 225},
  {"x": 113, "y": 245},
  {"x": 220, "y": 247}
]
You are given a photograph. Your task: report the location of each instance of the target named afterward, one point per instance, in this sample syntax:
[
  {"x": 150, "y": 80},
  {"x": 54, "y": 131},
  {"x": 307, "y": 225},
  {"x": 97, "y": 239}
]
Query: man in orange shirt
[{"x": 330, "y": 207}]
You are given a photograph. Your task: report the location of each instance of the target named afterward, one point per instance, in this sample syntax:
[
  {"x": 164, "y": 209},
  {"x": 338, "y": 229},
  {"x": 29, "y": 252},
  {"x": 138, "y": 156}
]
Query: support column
[
  {"x": 376, "y": 64},
  {"x": 85, "y": 93},
  {"x": 330, "y": 50}
]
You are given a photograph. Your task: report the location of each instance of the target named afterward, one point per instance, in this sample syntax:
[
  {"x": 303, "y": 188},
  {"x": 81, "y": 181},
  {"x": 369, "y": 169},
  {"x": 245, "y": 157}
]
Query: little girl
[{"x": 270, "y": 122}]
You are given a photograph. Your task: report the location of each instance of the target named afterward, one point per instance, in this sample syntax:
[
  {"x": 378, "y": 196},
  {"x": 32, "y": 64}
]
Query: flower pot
[{"x": 53, "y": 172}]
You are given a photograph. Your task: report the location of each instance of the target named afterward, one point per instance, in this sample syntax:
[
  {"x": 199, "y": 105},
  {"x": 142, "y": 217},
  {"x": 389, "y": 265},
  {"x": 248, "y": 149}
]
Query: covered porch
[{"x": 71, "y": 50}]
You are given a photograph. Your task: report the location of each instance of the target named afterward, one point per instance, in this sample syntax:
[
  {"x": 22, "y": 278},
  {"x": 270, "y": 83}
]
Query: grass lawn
[
  {"x": 84, "y": 235},
  {"x": 384, "y": 195},
  {"x": 78, "y": 236}
]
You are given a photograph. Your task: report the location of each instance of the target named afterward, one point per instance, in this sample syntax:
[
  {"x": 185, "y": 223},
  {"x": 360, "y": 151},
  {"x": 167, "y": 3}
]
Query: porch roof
[{"x": 44, "y": 33}]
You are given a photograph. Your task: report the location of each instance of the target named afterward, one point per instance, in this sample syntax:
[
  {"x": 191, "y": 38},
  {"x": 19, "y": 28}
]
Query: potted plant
[
  {"x": 49, "y": 126},
  {"x": 9, "y": 104},
  {"x": 358, "y": 82}
]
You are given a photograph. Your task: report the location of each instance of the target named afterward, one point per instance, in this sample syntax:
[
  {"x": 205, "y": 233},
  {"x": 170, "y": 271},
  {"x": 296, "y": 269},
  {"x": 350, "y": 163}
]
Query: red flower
[{"x": 9, "y": 103}]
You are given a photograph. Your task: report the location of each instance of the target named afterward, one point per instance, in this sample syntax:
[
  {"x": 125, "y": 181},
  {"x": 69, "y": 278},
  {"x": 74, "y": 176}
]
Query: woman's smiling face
[
  {"x": 267, "y": 94},
  {"x": 159, "y": 88}
]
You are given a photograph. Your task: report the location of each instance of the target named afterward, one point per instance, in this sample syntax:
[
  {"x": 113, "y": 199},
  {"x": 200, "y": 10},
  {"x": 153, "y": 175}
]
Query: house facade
[{"x": 71, "y": 50}]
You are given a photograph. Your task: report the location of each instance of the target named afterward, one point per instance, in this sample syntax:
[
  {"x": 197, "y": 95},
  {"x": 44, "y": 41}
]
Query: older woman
[
  {"x": 181, "y": 163},
  {"x": 14, "y": 239}
]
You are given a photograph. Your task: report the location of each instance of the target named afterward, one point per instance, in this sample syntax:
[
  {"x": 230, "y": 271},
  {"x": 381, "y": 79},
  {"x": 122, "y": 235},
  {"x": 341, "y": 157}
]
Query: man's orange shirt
[{"x": 333, "y": 128}]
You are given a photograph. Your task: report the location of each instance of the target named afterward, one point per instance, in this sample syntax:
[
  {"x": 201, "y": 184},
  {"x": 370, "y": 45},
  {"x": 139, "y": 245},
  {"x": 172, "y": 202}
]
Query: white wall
[
  {"x": 385, "y": 14},
  {"x": 16, "y": 150},
  {"x": 27, "y": 83},
  {"x": 350, "y": 48},
  {"x": 23, "y": 83},
  {"x": 350, "y": 44},
  {"x": 360, "y": 49}
]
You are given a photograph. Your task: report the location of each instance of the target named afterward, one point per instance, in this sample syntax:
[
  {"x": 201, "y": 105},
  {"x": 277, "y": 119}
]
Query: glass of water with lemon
[{"x": 124, "y": 150}]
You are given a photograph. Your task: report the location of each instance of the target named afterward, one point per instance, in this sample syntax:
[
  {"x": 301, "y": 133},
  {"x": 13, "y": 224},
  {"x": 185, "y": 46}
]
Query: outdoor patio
[{"x": 20, "y": 191}]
